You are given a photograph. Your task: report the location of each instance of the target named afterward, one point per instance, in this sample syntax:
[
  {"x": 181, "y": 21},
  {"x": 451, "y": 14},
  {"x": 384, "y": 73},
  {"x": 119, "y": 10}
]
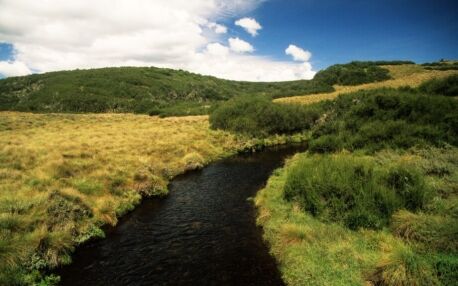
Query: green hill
[
  {"x": 131, "y": 89},
  {"x": 159, "y": 91}
]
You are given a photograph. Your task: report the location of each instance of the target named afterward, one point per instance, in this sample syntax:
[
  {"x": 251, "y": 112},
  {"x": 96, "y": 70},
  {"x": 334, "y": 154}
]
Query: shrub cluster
[
  {"x": 386, "y": 118},
  {"x": 259, "y": 116},
  {"x": 353, "y": 190},
  {"x": 353, "y": 73},
  {"x": 447, "y": 86},
  {"x": 442, "y": 65}
]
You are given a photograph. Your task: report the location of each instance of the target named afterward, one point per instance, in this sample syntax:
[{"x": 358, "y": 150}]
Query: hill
[
  {"x": 166, "y": 92},
  {"x": 401, "y": 75},
  {"x": 132, "y": 89}
]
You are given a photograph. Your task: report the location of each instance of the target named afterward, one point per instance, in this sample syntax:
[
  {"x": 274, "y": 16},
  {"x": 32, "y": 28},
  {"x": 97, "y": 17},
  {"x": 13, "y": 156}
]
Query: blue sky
[
  {"x": 341, "y": 31},
  {"x": 183, "y": 34}
]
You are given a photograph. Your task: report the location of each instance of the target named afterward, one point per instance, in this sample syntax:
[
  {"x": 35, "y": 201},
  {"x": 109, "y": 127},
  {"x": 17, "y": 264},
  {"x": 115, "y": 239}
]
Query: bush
[
  {"x": 353, "y": 73},
  {"x": 409, "y": 186},
  {"x": 447, "y": 86},
  {"x": 259, "y": 116},
  {"x": 386, "y": 118},
  {"x": 326, "y": 144},
  {"x": 353, "y": 190}
]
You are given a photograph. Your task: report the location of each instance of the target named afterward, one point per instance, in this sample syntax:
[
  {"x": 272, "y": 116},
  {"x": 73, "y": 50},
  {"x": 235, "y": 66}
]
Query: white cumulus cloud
[
  {"x": 240, "y": 46},
  {"x": 13, "y": 68},
  {"x": 298, "y": 54},
  {"x": 62, "y": 35},
  {"x": 216, "y": 49},
  {"x": 250, "y": 25},
  {"x": 217, "y": 28}
]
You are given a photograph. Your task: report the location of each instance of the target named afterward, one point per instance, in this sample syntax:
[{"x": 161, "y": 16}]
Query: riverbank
[
  {"x": 63, "y": 176},
  {"x": 413, "y": 248}
]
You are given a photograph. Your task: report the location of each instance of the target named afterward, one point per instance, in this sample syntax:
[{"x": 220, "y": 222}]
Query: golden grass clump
[{"x": 403, "y": 267}]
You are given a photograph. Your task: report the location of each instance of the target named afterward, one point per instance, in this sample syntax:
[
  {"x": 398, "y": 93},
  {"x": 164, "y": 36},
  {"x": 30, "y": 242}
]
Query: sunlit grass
[{"x": 403, "y": 75}]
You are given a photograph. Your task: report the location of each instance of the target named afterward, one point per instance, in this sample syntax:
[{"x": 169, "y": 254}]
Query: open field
[
  {"x": 63, "y": 176},
  {"x": 403, "y": 75}
]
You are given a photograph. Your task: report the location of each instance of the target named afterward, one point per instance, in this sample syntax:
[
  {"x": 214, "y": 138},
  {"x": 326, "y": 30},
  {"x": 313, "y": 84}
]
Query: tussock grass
[
  {"x": 416, "y": 248},
  {"x": 403, "y": 267},
  {"x": 402, "y": 75},
  {"x": 62, "y": 176}
]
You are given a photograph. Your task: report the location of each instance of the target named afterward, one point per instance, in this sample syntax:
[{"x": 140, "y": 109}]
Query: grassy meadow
[
  {"x": 401, "y": 75},
  {"x": 63, "y": 176}
]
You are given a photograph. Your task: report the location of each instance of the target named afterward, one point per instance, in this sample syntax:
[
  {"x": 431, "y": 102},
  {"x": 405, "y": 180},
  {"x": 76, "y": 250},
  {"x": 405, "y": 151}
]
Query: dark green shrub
[
  {"x": 353, "y": 73},
  {"x": 259, "y": 116},
  {"x": 64, "y": 209},
  {"x": 446, "y": 267},
  {"x": 386, "y": 118},
  {"x": 353, "y": 190},
  {"x": 408, "y": 185},
  {"x": 326, "y": 144},
  {"x": 447, "y": 86}
]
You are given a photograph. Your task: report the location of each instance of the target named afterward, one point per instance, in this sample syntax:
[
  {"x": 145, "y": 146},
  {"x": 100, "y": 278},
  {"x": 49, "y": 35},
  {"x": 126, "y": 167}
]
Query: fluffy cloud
[
  {"x": 298, "y": 54},
  {"x": 240, "y": 46},
  {"x": 216, "y": 49},
  {"x": 61, "y": 35},
  {"x": 236, "y": 66},
  {"x": 250, "y": 25},
  {"x": 217, "y": 28},
  {"x": 15, "y": 68}
]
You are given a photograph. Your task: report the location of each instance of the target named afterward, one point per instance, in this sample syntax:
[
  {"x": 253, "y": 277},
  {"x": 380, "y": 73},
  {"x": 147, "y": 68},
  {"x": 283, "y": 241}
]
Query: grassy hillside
[
  {"x": 401, "y": 75},
  {"x": 129, "y": 89},
  {"x": 159, "y": 91},
  {"x": 373, "y": 201}
]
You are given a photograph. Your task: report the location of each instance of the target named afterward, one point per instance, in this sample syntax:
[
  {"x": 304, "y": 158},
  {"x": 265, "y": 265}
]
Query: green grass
[{"x": 416, "y": 247}]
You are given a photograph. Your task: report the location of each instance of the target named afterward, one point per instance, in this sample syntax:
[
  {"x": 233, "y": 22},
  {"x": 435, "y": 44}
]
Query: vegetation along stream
[{"x": 203, "y": 233}]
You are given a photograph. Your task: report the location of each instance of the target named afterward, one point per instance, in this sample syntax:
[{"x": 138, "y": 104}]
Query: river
[{"x": 202, "y": 233}]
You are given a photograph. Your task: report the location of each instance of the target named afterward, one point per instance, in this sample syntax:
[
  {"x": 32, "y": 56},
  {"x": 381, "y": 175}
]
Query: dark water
[{"x": 203, "y": 233}]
